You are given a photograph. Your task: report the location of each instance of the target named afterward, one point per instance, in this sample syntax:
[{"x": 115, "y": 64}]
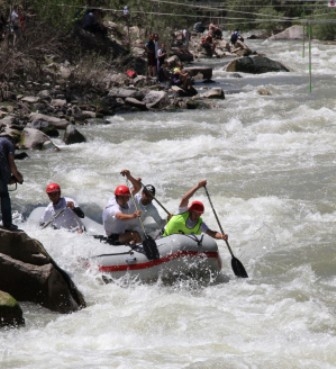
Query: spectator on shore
[
  {"x": 235, "y": 37},
  {"x": 199, "y": 27},
  {"x": 238, "y": 43},
  {"x": 215, "y": 32},
  {"x": 209, "y": 45},
  {"x": 151, "y": 56},
  {"x": 92, "y": 22},
  {"x": 186, "y": 37},
  {"x": 126, "y": 14},
  {"x": 161, "y": 56},
  {"x": 181, "y": 78},
  {"x": 14, "y": 25},
  {"x": 8, "y": 174},
  {"x": 125, "y": 11}
]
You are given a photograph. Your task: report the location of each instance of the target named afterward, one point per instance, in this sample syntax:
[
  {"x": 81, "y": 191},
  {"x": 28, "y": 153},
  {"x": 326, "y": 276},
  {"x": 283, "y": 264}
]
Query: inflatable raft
[{"x": 178, "y": 256}]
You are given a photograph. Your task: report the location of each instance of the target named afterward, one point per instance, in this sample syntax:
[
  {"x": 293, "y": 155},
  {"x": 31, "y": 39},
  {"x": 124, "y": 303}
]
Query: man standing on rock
[{"x": 8, "y": 173}]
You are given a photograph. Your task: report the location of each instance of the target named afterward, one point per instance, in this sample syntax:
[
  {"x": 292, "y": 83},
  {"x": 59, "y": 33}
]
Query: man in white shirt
[
  {"x": 62, "y": 212},
  {"x": 120, "y": 217},
  {"x": 144, "y": 202}
]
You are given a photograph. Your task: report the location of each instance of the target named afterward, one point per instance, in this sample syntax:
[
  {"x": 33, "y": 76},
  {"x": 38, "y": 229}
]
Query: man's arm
[
  {"x": 14, "y": 169},
  {"x": 136, "y": 182},
  {"x": 186, "y": 197}
]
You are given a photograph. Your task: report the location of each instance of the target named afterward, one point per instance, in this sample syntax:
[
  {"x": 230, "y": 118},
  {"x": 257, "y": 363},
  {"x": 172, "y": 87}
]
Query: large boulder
[
  {"x": 156, "y": 99},
  {"x": 256, "y": 64},
  {"x": 34, "y": 139},
  {"x": 10, "y": 311},
  {"x": 59, "y": 123},
  {"x": 291, "y": 33},
  {"x": 28, "y": 273},
  {"x": 72, "y": 135},
  {"x": 205, "y": 72}
]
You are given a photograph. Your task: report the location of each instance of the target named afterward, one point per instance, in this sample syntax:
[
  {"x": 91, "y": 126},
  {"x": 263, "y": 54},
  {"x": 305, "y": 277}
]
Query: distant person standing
[
  {"x": 235, "y": 36},
  {"x": 126, "y": 12},
  {"x": 186, "y": 37},
  {"x": 151, "y": 56},
  {"x": 92, "y": 22},
  {"x": 199, "y": 27},
  {"x": 8, "y": 173},
  {"x": 14, "y": 25},
  {"x": 161, "y": 57}
]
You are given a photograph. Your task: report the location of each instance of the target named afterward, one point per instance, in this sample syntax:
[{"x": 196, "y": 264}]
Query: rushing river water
[{"x": 271, "y": 168}]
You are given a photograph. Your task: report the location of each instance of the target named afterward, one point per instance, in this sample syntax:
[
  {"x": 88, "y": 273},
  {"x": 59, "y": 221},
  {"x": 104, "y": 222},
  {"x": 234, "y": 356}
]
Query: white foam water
[{"x": 270, "y": 164}]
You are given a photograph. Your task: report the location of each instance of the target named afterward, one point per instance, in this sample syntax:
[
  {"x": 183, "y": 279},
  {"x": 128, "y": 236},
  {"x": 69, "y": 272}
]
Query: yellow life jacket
[{"x": 178, "y": 224}]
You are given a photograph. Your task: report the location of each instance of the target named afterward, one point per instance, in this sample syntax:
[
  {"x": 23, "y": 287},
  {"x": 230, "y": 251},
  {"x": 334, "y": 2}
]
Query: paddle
[
  {"x": 45, "y": 225},
  {"x": 149, "y": 245},
  {"x": 236, "y": 265}
]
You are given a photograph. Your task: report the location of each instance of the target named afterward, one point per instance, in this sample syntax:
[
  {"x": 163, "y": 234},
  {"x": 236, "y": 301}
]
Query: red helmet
[
  {"x": 122, "y": 190},
  {"x": 53, "y": 187},
  {"x": 197, "y": 206}
]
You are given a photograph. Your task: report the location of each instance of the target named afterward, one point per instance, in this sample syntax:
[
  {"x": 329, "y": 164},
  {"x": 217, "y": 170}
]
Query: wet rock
[
  {"x": 28, "y": 273},
  {"x": 256, "y": 65},
  {"x": 213, "y": 93},
  {"x": 206, "y": 72},
  {"x": 58, "y": 123},
  {"x": 291, "y": 33},
  {"x": 72, "y": 135},
  {"x": 10, "y": 311},
  {"x": 34, "y": 139},
  {"x": 156, "y": 99}
]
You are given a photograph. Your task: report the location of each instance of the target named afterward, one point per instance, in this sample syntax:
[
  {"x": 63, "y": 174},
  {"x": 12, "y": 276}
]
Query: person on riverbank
[
  {"x": 8, "y": 173},
  {"x": 161, "y": 57},
  {"x": 92, "y": 22},
  {"x": 215, "y": 32},
  {"x": 186, "y": 36},
  {"x": 188, "y": 218},
  {"x": 181, "y": 78},
  {"x": 209, "y": 45},
  {"x": 151, "y": 56},
  {"x": 120, "y": 216},
  {"x": 62, "y": 212}
]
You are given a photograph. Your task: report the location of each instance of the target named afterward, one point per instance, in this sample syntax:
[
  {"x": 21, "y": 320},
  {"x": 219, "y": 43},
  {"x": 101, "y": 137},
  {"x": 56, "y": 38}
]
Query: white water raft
[
  {"x": 191, "y": 256},
  {"x": 179, "y": 255}
]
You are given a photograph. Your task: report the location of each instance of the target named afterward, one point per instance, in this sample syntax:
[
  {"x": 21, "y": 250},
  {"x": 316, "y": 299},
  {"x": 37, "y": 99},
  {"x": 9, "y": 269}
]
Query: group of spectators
[
  {"x": 159, "y": 69},
  {"x": 214, "y": 33}
]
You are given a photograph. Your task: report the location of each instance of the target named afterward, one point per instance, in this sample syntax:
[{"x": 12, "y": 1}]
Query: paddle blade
[
  {"x": 238, "y": 268},
  {"x": 150, "y": 248}
]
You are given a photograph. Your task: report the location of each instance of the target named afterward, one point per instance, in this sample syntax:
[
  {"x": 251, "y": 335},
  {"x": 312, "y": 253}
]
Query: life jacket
[{"x": 178, "y": 225}]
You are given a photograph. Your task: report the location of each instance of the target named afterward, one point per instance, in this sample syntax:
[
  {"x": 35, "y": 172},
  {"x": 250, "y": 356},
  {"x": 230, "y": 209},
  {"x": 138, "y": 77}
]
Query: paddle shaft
[
  {"x": 216, "y": 216},
  {"x": 53, "y": 218},
  {"x": 237, "y": 266},
  {"x": 136, "y": 208},
  {"x": 154, "y": 198}
]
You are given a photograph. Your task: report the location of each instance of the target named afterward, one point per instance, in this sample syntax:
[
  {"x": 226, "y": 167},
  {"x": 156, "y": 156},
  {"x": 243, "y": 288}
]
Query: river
[{"x": 271, "y": 168}]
